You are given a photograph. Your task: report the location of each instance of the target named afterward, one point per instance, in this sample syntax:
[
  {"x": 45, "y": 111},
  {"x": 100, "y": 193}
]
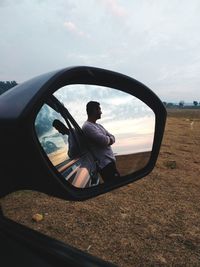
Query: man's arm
[
  {"x": 97, "y": 136},
  {"x": 112, "y": 138}
]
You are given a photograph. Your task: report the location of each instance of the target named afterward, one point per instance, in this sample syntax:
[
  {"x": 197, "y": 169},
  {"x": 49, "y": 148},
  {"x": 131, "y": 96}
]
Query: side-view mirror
[{"x": 53, "y": 141}]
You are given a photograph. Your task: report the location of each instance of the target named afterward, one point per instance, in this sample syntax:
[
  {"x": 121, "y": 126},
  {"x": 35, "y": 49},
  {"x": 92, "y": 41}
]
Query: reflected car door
[{"x": 67, "y": 152}]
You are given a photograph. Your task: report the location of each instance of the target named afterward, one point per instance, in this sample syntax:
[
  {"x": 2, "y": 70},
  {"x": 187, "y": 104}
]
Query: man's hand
[{"x": 112, "y": 140}]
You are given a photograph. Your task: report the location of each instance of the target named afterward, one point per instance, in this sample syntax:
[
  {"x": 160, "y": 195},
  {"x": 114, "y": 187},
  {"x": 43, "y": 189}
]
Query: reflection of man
[
  {"x": 100, "y": 140},
  {"x": 73, "y": 150}
]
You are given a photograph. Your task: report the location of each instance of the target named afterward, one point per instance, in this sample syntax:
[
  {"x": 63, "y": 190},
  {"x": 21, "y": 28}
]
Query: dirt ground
[
  {"x": 152, "y": 222},
  {"x": 127, "y": 164}
]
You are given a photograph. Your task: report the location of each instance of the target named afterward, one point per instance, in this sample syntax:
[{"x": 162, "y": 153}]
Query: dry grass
[{"x": 152, "y": 222}]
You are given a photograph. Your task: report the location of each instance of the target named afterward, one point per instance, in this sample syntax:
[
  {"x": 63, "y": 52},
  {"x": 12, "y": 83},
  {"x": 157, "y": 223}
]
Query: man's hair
[{"x": 91, "y": 107}]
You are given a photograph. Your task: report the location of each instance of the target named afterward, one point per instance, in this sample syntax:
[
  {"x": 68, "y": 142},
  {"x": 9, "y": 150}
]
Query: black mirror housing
[{"x": 24, "y": 165}]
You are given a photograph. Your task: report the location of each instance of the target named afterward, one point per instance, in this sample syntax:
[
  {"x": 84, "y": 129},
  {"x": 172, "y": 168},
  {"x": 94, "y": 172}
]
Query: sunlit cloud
[
  {"x": 115, "y": 8},
  {"x": 70, "y": 26}
]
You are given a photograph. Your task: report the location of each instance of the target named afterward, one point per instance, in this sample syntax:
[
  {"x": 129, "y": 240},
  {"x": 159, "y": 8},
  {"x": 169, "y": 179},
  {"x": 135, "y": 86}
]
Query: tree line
[
  {"x": 181, "y": 104},
  {"x": 6, "y": 85}
]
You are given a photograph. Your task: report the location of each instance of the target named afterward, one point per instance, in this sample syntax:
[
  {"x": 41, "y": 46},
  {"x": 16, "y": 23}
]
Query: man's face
[{"x": 98, "y": 113}]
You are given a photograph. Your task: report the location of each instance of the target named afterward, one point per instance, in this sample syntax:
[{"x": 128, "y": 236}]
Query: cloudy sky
[
  {"x": 154, "y": 41},
  {"x": 130, "y": 120}
]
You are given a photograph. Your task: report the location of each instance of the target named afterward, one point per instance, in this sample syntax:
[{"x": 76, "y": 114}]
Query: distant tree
[
  {"x": 4, "y": 86},
  {"x": 170, "y": 105},
  {"x": 195, "y": 103},
  {"x": 165, "y": 103},
  {"x": 181, "y": 104}
]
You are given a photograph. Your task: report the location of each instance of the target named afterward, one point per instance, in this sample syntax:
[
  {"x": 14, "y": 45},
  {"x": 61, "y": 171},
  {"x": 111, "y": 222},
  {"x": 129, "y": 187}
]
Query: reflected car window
[{"x": 54, "y": 143}]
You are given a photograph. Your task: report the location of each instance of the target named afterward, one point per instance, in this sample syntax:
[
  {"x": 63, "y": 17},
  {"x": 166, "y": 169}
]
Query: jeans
[{"x": 109, "y": 173}]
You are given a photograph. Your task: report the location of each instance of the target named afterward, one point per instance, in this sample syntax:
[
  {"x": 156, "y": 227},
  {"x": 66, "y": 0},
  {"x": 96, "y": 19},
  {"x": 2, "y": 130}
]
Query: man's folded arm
[{"x": 96, "y": 136}]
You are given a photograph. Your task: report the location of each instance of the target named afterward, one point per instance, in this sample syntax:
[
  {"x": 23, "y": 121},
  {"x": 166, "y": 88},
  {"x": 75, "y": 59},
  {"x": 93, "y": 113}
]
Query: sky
[
  {"x": 154, "y": 41},
  {"x": 130, "y": 120}
]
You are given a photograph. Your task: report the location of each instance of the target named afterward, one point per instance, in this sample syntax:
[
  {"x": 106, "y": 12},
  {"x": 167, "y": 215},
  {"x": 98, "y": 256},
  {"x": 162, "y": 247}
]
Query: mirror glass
[{"x": 112, "y": 140}]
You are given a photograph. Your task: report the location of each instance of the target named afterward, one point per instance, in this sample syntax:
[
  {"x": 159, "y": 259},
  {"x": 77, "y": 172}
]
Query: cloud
[
  {"x": 70, "y": 26},
  {"x": 3, "y": 3},
  {"x": 115, "y": 8},
  {"x": 129, "y": 119},
  {"x": 155, "y": 42},
  {"x": 116, "y": 105},
  {"x": 11, "y": 3}
]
